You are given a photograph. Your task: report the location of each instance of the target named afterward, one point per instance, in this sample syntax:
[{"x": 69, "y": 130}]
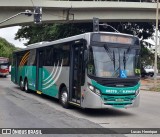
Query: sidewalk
[{"x": 148, "y": 84}]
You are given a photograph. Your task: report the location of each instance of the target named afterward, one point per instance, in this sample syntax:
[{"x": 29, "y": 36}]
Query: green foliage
[
  {"x": 50, "y": 32},
  {"x": 147, "y": 58},
  {"x": 6, "y": 48}
]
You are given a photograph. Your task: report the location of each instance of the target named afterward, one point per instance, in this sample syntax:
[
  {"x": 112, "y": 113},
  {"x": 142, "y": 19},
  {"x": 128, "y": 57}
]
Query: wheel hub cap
[{"x": 64, "y": 97}]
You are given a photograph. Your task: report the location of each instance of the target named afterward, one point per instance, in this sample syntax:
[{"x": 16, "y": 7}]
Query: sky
[{"x": 9, "y": 34}]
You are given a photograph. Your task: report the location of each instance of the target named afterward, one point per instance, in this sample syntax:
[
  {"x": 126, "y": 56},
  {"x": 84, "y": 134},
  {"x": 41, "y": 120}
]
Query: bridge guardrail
[{"x": 152, "y": 1}]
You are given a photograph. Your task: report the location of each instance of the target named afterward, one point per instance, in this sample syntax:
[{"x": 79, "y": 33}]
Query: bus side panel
[
  {"x": 47, "y": 79},
  {"x": 30, "y": 73},
  {"x": 21, "y": 73},
  {"x": 64, "y": 77},
  {"x": 40, "y": 75},
  {"x": 52, "y": 77},
  {"x": 13, "y": 74}
]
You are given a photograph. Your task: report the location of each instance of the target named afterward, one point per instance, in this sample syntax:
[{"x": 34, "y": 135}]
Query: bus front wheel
[{"x": 64, "y": 98}]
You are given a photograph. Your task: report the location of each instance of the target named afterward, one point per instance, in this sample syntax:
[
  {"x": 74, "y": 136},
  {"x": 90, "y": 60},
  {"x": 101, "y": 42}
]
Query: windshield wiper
[
  {"x": 128, "y": 51},
  {"x": 124, "y": 60},
  {"x": 112, "y": 57},
  {"x": 126, "y": 56}
]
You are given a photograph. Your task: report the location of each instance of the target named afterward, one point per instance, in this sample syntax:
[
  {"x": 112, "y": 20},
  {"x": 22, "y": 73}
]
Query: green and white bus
[{"x": 91, "y": 70}]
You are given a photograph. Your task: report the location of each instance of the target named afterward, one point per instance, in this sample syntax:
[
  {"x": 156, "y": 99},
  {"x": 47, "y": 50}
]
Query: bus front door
[{"x": 77, "y": 75}]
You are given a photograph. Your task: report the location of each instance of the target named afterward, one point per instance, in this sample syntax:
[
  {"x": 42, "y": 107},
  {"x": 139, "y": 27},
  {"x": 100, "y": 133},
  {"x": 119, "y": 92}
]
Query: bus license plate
[{"x": 119, "y": 100}]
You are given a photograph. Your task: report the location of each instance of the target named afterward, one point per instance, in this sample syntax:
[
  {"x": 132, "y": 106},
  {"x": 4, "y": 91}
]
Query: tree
[
  {"x": 6, "y": 48},
  {"x": 50, "y": 32}
]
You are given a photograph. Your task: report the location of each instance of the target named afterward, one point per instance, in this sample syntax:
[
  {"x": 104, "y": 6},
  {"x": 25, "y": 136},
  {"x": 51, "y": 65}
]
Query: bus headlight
[
  {"x": 90, "y": 87},
  {"x": 94, "y": 89},
  {"x": 97, "y": 91},
  {"x": 137, "y": 92}
]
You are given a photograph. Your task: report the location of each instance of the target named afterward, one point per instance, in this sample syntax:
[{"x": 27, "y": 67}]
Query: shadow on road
[{"x": 108, "y": 112}]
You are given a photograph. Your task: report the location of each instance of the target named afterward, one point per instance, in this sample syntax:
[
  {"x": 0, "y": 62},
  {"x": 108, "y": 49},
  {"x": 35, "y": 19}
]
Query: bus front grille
[{"x": 118, "y": 100}]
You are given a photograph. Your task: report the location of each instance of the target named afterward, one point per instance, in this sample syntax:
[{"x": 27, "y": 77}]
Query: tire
[
  {"x": 26, "y": 86},
  {"x": 21, "y": 85},
  {"x": 151, "y": 75},
  {"x": 142, "y": 75},
  {"x": 64, "y": 98}
]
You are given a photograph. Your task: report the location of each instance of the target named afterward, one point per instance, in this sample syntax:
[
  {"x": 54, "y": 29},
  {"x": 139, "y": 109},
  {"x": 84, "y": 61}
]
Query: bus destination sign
[{"x": 116, "y": 39}]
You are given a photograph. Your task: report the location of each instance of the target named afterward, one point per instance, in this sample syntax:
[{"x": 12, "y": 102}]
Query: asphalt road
[{"x": 22, "y": 110}]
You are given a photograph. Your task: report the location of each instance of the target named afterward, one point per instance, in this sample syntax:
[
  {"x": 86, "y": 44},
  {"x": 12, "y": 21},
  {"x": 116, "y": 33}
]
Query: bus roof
[
  {"x": 4, "y": 58},
  {"x": 68, "y": 39}
]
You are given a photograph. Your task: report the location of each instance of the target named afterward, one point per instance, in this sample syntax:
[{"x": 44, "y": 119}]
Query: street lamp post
[
  {"x": 37, "y": 15},
  {"x": 155, "y": 61}
]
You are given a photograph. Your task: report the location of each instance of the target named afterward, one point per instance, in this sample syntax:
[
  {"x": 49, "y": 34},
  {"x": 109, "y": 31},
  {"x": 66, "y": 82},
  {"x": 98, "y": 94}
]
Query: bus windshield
[
  {"x": 109, "y": 62},
  {"x": 3, "y": 66}
]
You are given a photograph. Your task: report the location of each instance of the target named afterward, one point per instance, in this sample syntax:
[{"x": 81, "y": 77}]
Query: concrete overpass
[{"x": 77, "y": 11}]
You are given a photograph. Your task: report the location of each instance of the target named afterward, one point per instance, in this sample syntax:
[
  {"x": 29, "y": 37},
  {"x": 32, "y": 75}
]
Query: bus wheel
[
  {"x": 26, "y": 86},
  {"x": 64, "y": 98},
  {"x": 21, "y": 85}
]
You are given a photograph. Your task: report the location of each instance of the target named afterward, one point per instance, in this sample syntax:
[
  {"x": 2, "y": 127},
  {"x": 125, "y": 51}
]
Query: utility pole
[{"x": 155, "y": 61}]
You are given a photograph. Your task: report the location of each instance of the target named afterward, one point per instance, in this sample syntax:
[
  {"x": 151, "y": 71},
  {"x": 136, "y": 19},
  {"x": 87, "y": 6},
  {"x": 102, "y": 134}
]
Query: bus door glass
[
  {"x": 39, "y": 71},
  {"x": 77, "y": 71}
]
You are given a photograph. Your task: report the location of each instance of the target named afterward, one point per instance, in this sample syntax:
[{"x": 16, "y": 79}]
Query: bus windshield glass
[
  {"x": 3, "y": 66},
  {"x": 109, "y": 62}
]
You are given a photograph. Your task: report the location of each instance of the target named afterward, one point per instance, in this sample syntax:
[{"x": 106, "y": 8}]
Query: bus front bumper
[
  {"x": 4, "y": 74},
  {"x": 133, "y": 103},
  {"x": 96, "y": 102}
]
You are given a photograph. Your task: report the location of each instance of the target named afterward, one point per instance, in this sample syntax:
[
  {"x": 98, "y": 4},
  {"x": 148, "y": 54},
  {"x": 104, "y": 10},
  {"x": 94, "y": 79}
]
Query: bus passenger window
[{"x": 48, "y": 57}]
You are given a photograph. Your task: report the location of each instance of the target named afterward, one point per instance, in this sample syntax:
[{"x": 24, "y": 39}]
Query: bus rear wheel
[
  {"x": 64, "y": 98},
  {"x": 26, "y": 86},
  {"x": 21, "y": 85}
]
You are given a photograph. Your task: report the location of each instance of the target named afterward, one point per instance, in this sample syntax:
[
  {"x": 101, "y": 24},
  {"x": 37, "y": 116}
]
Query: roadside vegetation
[
  {"x": 148, "y": 84},
  {"x": 157, "y": 89},
  {"x": 6, "y": 48}
]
